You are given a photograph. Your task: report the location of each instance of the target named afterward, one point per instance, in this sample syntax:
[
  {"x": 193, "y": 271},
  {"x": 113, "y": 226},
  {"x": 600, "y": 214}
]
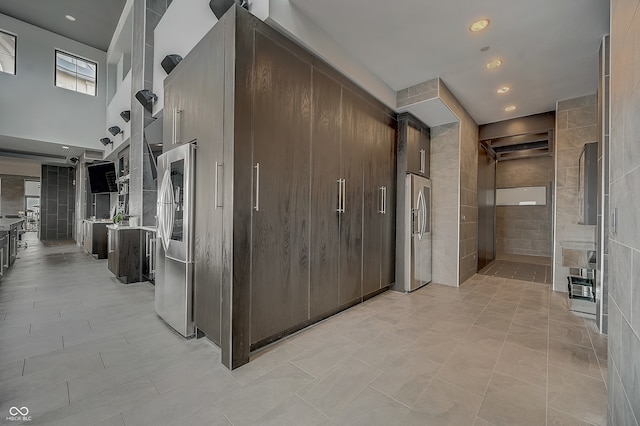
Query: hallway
[{"x": 79, "y": 348}]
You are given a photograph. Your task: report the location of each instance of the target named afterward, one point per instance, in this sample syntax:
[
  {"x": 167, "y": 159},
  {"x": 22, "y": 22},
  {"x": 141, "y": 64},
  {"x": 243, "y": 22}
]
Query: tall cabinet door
[
  {"x": 280, "y": 220},
  {"x": 388, "y": 177},
  {"x": 374, "y": 180},
  {"x": 209, "y": 191},
  {"x": 351, "y": 218},
  {"x": 326, "y": 190}
]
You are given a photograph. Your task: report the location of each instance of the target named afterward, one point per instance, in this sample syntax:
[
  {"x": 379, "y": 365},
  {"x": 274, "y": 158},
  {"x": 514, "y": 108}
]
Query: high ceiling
[
  {"x": 548, "y": 47},
  {"x": 95, "y": 22}
]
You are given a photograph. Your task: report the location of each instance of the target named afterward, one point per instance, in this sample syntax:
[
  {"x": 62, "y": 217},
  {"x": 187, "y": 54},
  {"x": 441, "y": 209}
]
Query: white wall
[
  {"x": 281, "y": 14},
  {"x": 183, "y": 25},
  {"x": 31, "y": 107},
  {"x": 121, "y": 102}
]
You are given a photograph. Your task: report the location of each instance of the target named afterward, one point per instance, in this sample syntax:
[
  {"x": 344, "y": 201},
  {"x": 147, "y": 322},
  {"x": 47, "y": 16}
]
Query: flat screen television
[{"x": 102, "y": 178}]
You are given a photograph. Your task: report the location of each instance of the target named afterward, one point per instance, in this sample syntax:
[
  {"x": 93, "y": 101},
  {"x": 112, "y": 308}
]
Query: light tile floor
[
  {"x": 79, "y": 348},
  {"x": 520, "y": 267}
]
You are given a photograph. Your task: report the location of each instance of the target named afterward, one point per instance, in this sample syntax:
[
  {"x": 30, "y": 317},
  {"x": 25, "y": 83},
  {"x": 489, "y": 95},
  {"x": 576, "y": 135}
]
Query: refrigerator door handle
[
  {"x": 381, "y": 200},
  {"x": 420, "y": 214},
  {"x": 422, "y": 160},
  {"x": 257, "y": 205},
  {"x": 339, "y": 209},
  {"x": 424, "y": 214}
]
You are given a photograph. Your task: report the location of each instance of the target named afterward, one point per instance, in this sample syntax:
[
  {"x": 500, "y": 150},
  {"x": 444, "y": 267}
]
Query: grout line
[
  {"x": 24, "y": 364},
  {"x": 122, "y": 417},
  {"x": 101, "y": 360},
  {"x": 88, "y": 322},
  {"x": 68, "y": 393},
  {"x": 62, "y": 342},
  {"x": 30, "y": 324}
]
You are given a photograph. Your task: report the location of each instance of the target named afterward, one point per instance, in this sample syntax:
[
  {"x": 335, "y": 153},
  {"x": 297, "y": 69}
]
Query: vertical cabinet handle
[
  {"x": 422, "y": 160},
  {"x": 152, "y": 257},
  {"x": 344, "y": 195},
  {"x": 339, "y": 209},
  {"x": 215, "y": 191},
  {"x": 176, "y": 125},
  {"x": 381, "y": 200},
  {"x": 384, "y": 200},
  {"x": 257, "y": 206}
]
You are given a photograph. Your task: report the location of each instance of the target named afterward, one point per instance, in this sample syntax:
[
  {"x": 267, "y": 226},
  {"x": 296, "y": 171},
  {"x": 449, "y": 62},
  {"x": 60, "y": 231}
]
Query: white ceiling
[
  {"x": 549, "y": 47},
  {"x": 95, "y": 22}
]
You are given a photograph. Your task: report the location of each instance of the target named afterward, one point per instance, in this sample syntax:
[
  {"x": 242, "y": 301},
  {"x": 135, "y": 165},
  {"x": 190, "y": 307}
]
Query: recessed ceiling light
[
  {"x": 484, "y": 48},
  {"x": 479, "y": 25},
  {"x": 494, "y": 64},
  {"x": 503, "y": 89},
  {"x": 510, "y": 108},
  {"x": 69, "y": 17},
  {"x": 65, "y": 147}
]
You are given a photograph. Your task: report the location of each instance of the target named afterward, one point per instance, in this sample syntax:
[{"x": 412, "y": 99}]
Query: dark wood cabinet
[
  {"x": 280, "y": 240},
  {"x": 124, "y": 253},
  {"x": 414, "y": 144},
  {"x": 291, "y": 156},
  {"x": 95, "y": 238}
]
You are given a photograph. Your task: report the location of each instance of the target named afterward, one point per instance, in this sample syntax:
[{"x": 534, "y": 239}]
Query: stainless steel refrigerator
[
  {"x": 417, "y": 232},
  {"x": 174, "y": 269}
]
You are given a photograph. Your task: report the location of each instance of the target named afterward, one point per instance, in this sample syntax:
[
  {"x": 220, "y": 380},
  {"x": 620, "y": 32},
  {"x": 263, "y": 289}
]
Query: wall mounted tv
[{"x": 102, "y": 178}]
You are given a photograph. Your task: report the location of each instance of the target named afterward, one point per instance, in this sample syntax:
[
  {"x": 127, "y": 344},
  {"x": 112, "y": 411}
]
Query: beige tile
[
  {"x": 468, "y": 370},
  {"x": 569, "y": 333},
  {"x": 558, "y": 418},
  {"x": 482, "y": 422},
  {"x": 318, "y": 361},
  {"x": 267, "y": 360},
  {"x": 291, "y": 413},
  {"x": 534, "y": 304},
  {"x": 382, "y": 350},
  {"x": 494, "y": 321},
  {"x": 510, "y": 401},
  {"x": 435, "y": 346},
  {"x": 443, "y": 404},
  {"x": 451, "y": 328},
  {"x": 251, "y": 402},
  {"x": 502, "y": 307},
  {"x": 371, "y": 407},
  {"x": 531, "y": 319},
  {"x": 523, "y": 363},
  {"x": 573, "y": 357},
  {"x": 406, "y": 377},
  {"x": 528, "y": 337},
  {"x": 577, "y": 395},
  {"x": 483, "y": 341},
  {"x": 339, "y": 387}
]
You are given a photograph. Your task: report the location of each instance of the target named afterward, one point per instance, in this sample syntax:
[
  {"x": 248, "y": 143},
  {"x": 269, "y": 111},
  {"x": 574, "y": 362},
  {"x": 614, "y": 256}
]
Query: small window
[
  {"x": 75, "y": 73},
  {"x": 7, "y": 53}
]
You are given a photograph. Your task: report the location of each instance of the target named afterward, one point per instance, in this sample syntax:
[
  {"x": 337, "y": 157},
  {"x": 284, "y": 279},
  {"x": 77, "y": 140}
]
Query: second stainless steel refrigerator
[
  {"x": 174, "y": 269},
  {"x": 417, "y": 232}
]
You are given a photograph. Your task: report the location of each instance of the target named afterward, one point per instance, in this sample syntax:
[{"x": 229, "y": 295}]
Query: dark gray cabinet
[
  {"x": 124, "y": 253},
  {"x": 379, "y": 206},
  {"x": 280, "y": 239},
  {"x": 413, "y": 144},
  {"x": 95, "y": 238},
  {"x": 290, "y": 156}
]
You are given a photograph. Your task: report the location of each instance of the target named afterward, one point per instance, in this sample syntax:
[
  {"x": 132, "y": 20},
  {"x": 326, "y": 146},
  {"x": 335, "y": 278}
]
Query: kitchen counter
[
  {"x": 7, "y": 223},
  {"x": 144, "y": 228}
]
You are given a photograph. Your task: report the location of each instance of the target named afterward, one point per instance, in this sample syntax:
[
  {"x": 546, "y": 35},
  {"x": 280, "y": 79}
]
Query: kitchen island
[{"x": 9, "y": 233}]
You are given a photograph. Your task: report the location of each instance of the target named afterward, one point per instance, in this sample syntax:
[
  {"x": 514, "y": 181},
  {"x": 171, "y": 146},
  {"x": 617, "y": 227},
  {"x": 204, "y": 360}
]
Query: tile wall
[
  {"x": 576, "y": 124},
  {"x": 525, "y": 229},
  {"x": 468, "y": 168},
  {"x": 623, "y": 386},
  {"x": 12, "y": 193},
  {"x": 443, "y": 165},
  {"x": 57, "y": 203}
]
